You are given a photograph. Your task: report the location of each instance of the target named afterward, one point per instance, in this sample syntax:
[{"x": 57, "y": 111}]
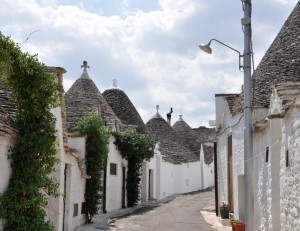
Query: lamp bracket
[{"x": 246, "y": 21}]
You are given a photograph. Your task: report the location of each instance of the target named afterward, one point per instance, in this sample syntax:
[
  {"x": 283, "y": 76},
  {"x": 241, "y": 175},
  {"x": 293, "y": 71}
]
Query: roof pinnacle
[{"x": 85, "y": 74}]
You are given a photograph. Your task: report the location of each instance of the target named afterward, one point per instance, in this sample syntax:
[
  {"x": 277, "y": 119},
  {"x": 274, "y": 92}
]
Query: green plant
[
  {"x": 135, "y": 148},
  {"x": 96, "y": 160},
  {"x": 224, "y": 210},
  {"x": 238, "y": 221},
  {"x": 33, "y": 156}
]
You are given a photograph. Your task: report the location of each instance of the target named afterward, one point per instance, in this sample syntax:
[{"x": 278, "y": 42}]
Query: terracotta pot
[
  {"x": 232, "y": 225},
  {"x": 239, "y": 226}
]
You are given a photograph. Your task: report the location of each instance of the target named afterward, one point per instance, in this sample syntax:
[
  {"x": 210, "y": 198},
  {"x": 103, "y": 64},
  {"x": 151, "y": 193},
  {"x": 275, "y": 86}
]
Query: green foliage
[
  {"x": 33, "y": 156},
  {"x": 96, "y": 160},
  {"x": 135, "y": 148}
]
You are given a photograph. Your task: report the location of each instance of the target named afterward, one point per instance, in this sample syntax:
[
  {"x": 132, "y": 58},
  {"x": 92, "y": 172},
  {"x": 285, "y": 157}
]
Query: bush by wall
[
  {"x": 96, "y": 160},
  {"x": 33, "y": 156},
  {"x": 135, "y": 148}
]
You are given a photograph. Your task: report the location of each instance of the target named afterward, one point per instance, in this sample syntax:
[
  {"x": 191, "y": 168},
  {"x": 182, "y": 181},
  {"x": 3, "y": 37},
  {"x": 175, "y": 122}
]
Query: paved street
[{"x": 182, "y": 212}]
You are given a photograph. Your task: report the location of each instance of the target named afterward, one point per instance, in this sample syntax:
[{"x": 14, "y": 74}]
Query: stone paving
[{"x": 193, "y": 211}]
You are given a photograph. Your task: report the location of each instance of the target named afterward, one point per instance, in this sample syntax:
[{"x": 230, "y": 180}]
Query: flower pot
[
  {"x": 224, "y": 213},
  {"x": 239, "y": 226},
  {"x": 232, "y": 225}
]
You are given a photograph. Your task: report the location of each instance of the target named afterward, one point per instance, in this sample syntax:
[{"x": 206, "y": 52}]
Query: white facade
[
  {"x": 276, "y": 163},
  {"x": 207, "y": 170},
  {"x": 115, "y": 182},
  {"x": 161, "y": 179},
  {"x": 5, "y": 143}
]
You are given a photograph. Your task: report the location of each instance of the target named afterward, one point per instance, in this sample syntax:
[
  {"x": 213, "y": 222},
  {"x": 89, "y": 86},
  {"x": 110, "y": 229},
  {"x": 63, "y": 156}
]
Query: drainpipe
[
  {"x": 216, "y": 179},
  {"x": 104, "y": 191}
]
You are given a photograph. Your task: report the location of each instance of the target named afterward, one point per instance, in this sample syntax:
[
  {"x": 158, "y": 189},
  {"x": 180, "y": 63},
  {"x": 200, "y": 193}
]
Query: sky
[{"x": 149, "y": 46}]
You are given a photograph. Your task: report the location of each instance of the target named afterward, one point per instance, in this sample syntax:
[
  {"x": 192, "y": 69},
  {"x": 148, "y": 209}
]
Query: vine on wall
[
  {"x": 34, "y": 155},
  {"x": 96, "y": 160},
  {"x": 135, "y": 148}
]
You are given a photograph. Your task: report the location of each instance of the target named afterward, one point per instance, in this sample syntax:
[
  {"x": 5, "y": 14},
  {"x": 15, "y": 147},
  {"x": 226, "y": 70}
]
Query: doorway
[{"x": 230, "y": 173}]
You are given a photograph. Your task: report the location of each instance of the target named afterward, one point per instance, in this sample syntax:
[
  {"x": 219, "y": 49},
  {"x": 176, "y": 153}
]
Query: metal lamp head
[{"x": 206, "y": 48}]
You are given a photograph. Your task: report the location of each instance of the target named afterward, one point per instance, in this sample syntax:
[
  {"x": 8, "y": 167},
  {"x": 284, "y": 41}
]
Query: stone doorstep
[{"x": 225, "y": 222}]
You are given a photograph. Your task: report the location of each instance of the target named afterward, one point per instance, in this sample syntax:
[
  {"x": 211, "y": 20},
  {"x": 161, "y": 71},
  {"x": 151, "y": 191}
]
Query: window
[
  {"x": 113, "y": 169},
  {"x": 267, "y": 154},
  {"x": 287, "y": 160},
  {"x": 75, "y": 211}
]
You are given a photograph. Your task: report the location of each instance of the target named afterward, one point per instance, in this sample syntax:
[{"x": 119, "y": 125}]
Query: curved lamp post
[
  {"x": 207, "y": 49},
  {"x": 248, "y": 139}
]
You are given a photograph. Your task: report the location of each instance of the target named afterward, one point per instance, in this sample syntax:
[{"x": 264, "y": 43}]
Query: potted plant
[
  {"x": 232, "y": 224},
  {"x": 239, "y": 225},
  {"x": 224, "y": 210}
]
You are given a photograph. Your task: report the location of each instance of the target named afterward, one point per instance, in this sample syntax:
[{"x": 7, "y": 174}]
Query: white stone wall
[
  {"x": 5, "y": 143},
  {"x": 289, "y": 176},
  {"x": 229, "y": 126},
  {"x": 206, "y": 172},
  {"x": 114, "y": 182},
  {"x": 55, "y": 205},
  {"x": 74, "y": 194}
]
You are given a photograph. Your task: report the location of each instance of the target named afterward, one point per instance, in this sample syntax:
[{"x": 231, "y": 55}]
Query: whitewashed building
[{"x": 275, "y": 136}]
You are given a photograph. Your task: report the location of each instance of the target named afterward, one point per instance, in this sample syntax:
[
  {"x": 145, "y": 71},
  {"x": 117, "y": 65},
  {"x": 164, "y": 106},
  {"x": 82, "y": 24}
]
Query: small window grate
[{"x": 287, "y": 159}]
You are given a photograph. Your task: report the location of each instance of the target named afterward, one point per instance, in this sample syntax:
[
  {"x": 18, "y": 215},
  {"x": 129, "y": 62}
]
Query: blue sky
[{"x": 150, "y": 47}]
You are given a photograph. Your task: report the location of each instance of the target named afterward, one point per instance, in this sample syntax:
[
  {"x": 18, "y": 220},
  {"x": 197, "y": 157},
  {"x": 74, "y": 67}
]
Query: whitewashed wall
[
  {"x": 114, "y": 182},
  {"x": 75, "y": 183},
  {"x": 206, "y": 172},
  {"x": 289, "y": 176},
  {"x": 55, "y": 206},
  {"x": 266, "y": 176},
  {"x": 234, "y": 126},
  {"x": 187, "y": 177},
  {"x": 5, "y": 143}
]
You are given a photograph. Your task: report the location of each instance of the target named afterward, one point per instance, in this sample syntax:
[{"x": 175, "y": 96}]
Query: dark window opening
[
  {"x": 75, "y": 211},
  {"x": 113, "y": 169},
  {"x": 267, "y": 154},
  {"x": 287, "y": 161},
  {"x": 83, "y": 208}
]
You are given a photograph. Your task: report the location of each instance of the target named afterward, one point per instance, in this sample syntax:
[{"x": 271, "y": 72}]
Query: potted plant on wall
[
  {"x": 224, "y": 210},
  {"x": 239, "y": 225}
]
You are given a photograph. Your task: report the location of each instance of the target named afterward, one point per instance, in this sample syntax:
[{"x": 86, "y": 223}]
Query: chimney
[{"x": 169, "y": 116}]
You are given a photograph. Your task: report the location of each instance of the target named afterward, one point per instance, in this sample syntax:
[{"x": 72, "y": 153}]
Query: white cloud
[{"x": 154, "y": 54}]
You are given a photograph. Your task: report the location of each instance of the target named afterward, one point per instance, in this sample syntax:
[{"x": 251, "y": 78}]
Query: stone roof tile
[
  {"x": 208, "y": 153},
  {"x": 8, "y": 112},
  {"x": 188, "y": 136},
  {"x": 172, "y": 148},
  {"x": 281, "y": 63},
  {"x": 123, "y": 108}
]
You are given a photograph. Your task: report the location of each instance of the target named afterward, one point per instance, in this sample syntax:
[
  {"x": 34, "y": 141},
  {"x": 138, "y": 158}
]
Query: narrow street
[{"x": 181, "y": 213}]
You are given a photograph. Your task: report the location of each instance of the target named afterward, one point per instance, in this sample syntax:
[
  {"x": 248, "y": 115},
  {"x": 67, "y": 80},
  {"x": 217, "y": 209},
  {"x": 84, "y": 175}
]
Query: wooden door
[{"x": 230, "y": 174}]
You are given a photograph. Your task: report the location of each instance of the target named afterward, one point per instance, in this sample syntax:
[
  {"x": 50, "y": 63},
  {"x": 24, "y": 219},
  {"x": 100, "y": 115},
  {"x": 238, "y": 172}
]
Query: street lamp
[
  {"x": 206, "y": 48},
  {"x": 248, "y": 139}
]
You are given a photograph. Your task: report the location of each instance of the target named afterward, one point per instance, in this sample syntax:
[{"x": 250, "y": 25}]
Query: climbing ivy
[
  {"x": 96, "y": 160},
  {"x": 135, "y": 148},
  {"x": 33, "y": 156}
]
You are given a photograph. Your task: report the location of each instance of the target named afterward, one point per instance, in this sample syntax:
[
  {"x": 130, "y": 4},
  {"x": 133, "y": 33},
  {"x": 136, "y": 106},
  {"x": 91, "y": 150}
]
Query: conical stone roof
[
  {"x": 124, "y": 109},
  {"x": 188, "y": 136},
  {"x": 172, "y": 148},
  {"x": 83, "y": 98},
  {"x": 281, "y": 62}
]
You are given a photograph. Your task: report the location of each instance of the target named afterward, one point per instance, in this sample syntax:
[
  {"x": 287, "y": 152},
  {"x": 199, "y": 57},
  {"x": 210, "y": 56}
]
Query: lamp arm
[{"x": 240, "y": 56}]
